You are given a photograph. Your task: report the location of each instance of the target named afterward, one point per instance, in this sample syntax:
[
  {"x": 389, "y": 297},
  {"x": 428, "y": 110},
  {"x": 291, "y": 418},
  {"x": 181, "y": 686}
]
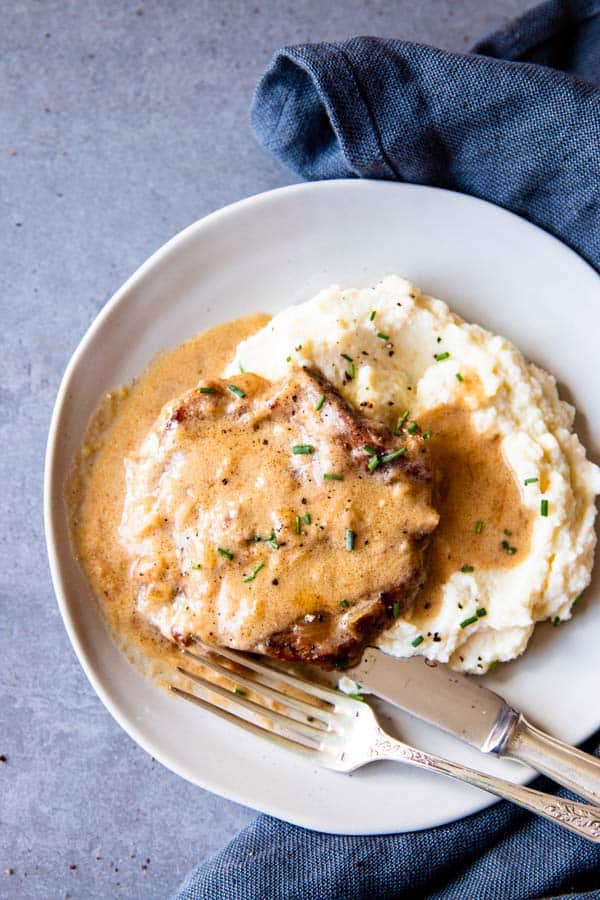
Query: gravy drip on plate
[
  {"x": 483, "y": 523},
  {"x": 96, "y": 489}
]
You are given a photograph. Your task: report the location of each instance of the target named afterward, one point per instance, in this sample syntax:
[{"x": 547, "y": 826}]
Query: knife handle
[{"x": 574, "y": 769}]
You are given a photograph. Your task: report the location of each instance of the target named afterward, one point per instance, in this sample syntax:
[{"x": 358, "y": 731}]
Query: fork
[{"x": 339, "y": 731}]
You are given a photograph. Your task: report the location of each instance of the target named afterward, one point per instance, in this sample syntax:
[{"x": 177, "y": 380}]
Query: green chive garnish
[
  {"x": 395, "y": 609},
  {"x": 412, "y": 429},
  {"x": 507, "y": 532},
  {"x": 441, "y": 356},
  {"x": 459, "y": 377},
  {"x": 236, "y": 390},
  {"x": 556, "y": 621},
  {"x": 242, "y": 370},
  {"x": 482, "y": 611},
  {"x": 417, "y": 641},
  {"x": 196, "y": 566},
  {"x": 478, "y": 526},
  {"x": 303, "y": 449},
  {"x": 288, "y": 359},
  {"x": 427, "y": 434},
  {"x": 508, "y": 549},
  {"x": 307, "y": 518},
  {"x": 320, "y": 402},
  {"x": 372, "y": 451},
  {"x": 468, "y": 621},
  {"x": 208, "y": 390},
  {"x": 256, "y": 538},
  {"x": 226, "y": 553},
  {"x": 240, "y": 692},
  {"x": 357, "y": 697},
  {"x": 373, "y": 463},
  {"x": 254, "y": 573},
  {"x": 543, "y": 507},
  {"x": 344, "y": 603},
  {"x": 272, "y": 540},
  {"x": 467, "y": 569},
  {"x": 382, "y": 336},
  {"x": 297, "y": 524},
  {"x": 390, "y": 456},
  {"x": 530, "y": 480},
  {"x": 351, "y": 371},
  {"x": 494, "y": 664},
  {"x": 350, "y": 538},
  {"x": 332, "y": 476},
  {"x": 401, "y": 421},
  {"x": 372, "y": 316},
  {"x": 576, "y": 600}
]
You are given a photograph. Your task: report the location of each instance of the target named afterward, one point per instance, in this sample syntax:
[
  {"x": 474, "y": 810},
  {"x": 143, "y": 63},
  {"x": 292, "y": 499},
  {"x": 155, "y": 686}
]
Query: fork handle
[
  {"x": 576, "y": 770},
  {"x": 581, "y": 818}
]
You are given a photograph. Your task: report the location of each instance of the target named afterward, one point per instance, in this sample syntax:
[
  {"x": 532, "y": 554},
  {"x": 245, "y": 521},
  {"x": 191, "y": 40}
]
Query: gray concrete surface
[{"x": 120, "y": 123}]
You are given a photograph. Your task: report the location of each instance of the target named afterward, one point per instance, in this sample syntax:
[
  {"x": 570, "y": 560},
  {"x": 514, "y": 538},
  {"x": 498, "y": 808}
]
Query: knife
[{"x": 464, "y": 707}]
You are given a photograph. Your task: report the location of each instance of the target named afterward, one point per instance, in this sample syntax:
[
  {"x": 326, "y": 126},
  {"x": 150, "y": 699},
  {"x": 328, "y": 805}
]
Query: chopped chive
[
  {"x": 236, "y": 390},
  {"x": 373, "y": 314},
  {"x": 508, "y": 549},
  {"x": 507, "y": 532},
  {"x": 320, "y": 402},
  {"x": 459, "y": 377},
  {"x": 373, "y": 463},
  {"x": 481, "y": 612},
  {"x": 350, "y": 539},
  {"x": 543, "y": 507},
  {"x": 240, "y": 692},
  {"x": 468, "y": 621},
  {"x": 297, "y": 524},
  {"x": 196, "y": 566},
  {"x": 345, "y": 356},
  {"x": 351, "y": 371},
  {"x": 256, "y": 538},
  {"x": 226, "y": 553},
  {"x": 395, "y": 609},
  {"x": 242, "y": 370},
  {"x": 254, "y": 572},
  {"x": 390, "y": 456},
  {"x": 372, "y": 451},
  {"x": 576, "y": 600},
  {"x": 303, "y": 449},
  {"x": 344, "y": 603},
  {"x": 468, "y": 569},
  {"x": 307, "y": 518},
  {"x": 208, "y": 390},
  {"x": 412, "y": 429},
  {"x": 272, "y": 540},
  {"x": 494, "y": 664},
  {"x": 439, "y": 357},
  {"x": 530, "y": 480},
  {"x": 478, "y": 526},
  {"x": 332, "y": 476},
  {"x": 417, "y": 641},
  {"x": 401, "y": 421},
  {"x": 288, "y": 359},
  {"x": 382, "y": 336},
  {"x": 427, "y": 434},
  {"x": 556, "y": 621},
  {"x": 357, "y": 697}
]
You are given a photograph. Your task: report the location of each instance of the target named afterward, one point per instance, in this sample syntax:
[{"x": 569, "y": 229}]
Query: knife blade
[{"x": 464, "y": 707}]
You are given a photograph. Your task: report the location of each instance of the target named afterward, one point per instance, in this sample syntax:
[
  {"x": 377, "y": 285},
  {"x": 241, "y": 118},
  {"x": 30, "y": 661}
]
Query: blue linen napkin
[{"x": 518, "y": 123}]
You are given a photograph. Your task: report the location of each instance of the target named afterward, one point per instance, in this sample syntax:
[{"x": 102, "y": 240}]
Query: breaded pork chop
[{"x": 273, "y": 518}]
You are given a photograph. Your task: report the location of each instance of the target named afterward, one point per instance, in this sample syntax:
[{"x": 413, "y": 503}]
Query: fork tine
[
  {"x": 331, "y": 697},
  {"x": 307, "y": 731},
  {"x": 262, "y": 690},
  {"x": 237, "y": 720}
]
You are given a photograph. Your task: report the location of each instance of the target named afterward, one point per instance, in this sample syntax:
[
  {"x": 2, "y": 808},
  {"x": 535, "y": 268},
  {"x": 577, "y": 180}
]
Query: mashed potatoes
[{"x": 388, "y": 349}]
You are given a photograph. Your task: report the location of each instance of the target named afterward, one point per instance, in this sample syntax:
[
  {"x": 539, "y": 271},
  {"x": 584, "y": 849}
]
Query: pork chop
[{"x": 273, "y": 518}]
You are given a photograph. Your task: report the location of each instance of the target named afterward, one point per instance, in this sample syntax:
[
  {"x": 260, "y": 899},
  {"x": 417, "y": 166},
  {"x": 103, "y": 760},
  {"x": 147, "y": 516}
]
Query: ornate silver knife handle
[
  {"x": 580, "y": 818},
  {"x": 576, "y": 770}
]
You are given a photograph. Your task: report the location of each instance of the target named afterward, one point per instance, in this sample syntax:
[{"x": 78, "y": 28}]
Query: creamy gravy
[{"x": 476, "y": 484}]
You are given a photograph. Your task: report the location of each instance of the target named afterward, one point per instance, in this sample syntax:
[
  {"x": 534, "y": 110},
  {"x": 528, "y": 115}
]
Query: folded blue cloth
[{"x": 514, "y": 131}]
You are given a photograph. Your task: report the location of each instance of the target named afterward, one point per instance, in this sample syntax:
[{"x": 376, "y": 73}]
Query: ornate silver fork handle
[{"x": 581, "y": 818}]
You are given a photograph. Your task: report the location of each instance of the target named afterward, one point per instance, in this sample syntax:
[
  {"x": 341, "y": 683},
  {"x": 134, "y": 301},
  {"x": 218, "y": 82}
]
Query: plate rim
[{"x": 53, "y": 492}]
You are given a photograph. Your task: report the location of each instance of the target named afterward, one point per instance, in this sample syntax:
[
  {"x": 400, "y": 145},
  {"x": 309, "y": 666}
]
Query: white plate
[{"x": 263, "y": 254}]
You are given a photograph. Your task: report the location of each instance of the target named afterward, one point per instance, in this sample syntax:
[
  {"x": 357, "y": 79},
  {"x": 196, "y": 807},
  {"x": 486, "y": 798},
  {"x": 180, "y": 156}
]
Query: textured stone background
[{"x": 120, "y": 123}]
